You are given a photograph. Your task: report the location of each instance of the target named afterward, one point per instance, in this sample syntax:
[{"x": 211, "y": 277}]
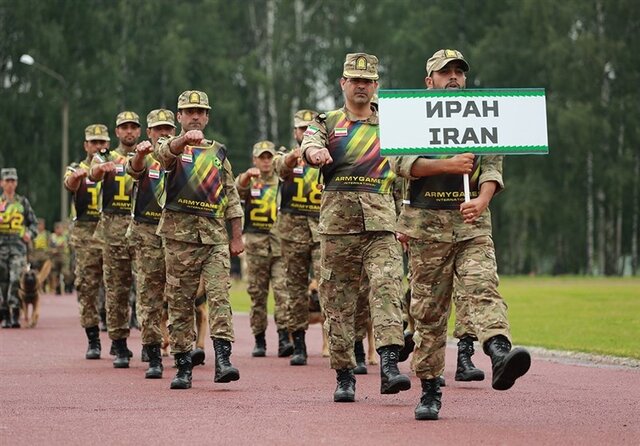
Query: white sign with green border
[{"x": 448, "y": 122}]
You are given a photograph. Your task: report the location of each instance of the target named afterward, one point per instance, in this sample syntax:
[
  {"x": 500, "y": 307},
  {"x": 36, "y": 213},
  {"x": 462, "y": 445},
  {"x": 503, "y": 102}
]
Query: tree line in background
[{"x": 575, "y": 211}]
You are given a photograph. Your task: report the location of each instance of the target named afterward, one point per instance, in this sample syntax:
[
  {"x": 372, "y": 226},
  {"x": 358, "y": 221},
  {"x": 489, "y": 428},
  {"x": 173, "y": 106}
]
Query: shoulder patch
[
  {"x": 311, "y": 130},
  {"x": 321, "y": 117}
]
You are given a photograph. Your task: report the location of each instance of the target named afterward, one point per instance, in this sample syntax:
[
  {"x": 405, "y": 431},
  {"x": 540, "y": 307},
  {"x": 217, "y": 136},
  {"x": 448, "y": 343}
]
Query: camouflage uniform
[
  {"x": 196, "y": 243},
  {"x": 442, "y": 247},
  {"x": 264, "y": 260},
  {"x": 16, "y": 219},
  {"x": 118, "y": 254},
  {"x": 150, "y": 264},
  {"x": 297, "y": 226},
  {"x": 40, "y": 251},
  {"x": 357, "y": 222},
  {"x": 88, "y": 250}
]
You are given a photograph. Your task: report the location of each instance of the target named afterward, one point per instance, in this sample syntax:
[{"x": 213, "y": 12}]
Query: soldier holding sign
[{"x": 449, "y": 237}]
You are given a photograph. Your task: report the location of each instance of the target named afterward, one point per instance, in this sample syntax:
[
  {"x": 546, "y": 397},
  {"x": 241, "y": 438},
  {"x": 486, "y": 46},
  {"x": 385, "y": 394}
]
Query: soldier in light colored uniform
[
  {"x": 453, "y": 239},
  {"x": 200, "y": 198},
  {"x": 297, "y": 227},
  {"x": 150, "y": 266},
  {"x": 18, "y": 226},
  {"x": 86, "y": 214},
  {"x": 258, "y": 188},
  {"x": 118, "y": 254},
  {"x": 357, "y": 223}
]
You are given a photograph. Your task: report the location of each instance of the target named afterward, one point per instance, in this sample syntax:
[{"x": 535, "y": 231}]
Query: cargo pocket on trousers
[{"x": 325, "y": 274}]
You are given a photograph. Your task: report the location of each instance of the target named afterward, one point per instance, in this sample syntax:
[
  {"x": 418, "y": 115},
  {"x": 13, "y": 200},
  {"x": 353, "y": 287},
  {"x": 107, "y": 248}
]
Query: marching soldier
[
  {"x": 118, "y": 254},
  {"x": 258, "y": 187},
  {"x": 86, "y": 215},
  {"x": 18, "y": 226}
]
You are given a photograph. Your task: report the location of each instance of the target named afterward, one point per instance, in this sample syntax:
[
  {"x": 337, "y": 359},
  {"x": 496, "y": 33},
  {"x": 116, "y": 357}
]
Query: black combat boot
[
  {"x": 260, "y": 349},
  {"x": 441, "y": 381},
  {"x": 466, "y": 370},
  {"x": 225, "y": 372},
  {"x": 299, "y": 349},
  {"x": 285, "y": 347},
  {"x": 409, "y": 345},
  {"x": 507, "y": 365},
  {"x": 392, "y": 381},
  {"x": 144, "y": 354},
  {"x": 346, "y": 388},
  {"x": 103, "y": 320},
  {"x": 182, "y": 379},
  {"x": 113, "y": 350},
  {"x": 15, "y": 317},
  {"x": 94, "y": 349},
  {"x": 361, "y": 365},
  {"x": 430, "y": 401},
  {"x": 155, "y": 362},
  {"x": 4, "y": 315},
  {"x": 197, "y": 357},
  {"x": 121, "y": 360}
]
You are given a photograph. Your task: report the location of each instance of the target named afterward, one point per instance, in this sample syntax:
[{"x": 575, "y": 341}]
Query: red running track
[{"x": 51, "y": 395}]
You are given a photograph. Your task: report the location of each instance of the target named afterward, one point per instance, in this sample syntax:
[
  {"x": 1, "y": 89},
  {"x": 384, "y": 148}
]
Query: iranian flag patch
[
  {"x": 340, "y": 131},
  {"x": 311, "y": 130}
]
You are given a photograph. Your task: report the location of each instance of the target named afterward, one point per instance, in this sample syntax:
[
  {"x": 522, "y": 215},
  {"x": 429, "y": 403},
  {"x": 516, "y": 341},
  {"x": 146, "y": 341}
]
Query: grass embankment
[{"x": 592, "y": 315}]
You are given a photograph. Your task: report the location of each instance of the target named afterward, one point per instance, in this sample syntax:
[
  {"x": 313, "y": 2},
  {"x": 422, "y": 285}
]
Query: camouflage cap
[
  {"x": 442, "y": 57},
  {"x": 96, "y": 132},
  {"x": 127, "y": 116},
  {"x": 160, "y": 116},
  {"x": 360, "y": 65},
  {"x": 304, "y": 118},
  {"x": 9, "y": 173},
  {"x": 264, "y": 146},
  {"x": 193, "y": 99}
]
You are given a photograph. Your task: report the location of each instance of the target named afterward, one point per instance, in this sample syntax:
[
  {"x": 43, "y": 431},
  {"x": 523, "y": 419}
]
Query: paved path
[{"x": 50, "y": 395}]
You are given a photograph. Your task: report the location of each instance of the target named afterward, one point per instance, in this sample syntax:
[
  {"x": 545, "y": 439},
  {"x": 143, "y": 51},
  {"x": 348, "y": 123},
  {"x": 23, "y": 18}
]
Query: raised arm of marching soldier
[
  {"x": 99, "y": 167},
  {"x": 168, "y": 149},
  {"x": 314, "y": 144},
  {"x": 136, "y": 165},
  {"x": 74, "y": 176}
]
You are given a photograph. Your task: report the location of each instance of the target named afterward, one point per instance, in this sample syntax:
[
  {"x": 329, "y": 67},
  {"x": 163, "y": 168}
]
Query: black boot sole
[
  {"x": 344, "y": 397},
  {"x": 514, "y": 365},
  {"x": 298, "y": 360},
  {"x": 197, "y": 357},
  {"x": 395, "y": 385},
  {"x": 92, "y": 355},
  {"x": 180, "y": 384},
  {"x": 470, "y": 375},
  {"x": 409, "y": 345},
  {"x": 360, "y": 370},
  {"x": 426, "y": 415},
  {"x": 121, "y": 365},
  {"x": 259, "y": 353},
  {"x": 230, "y": 375},
  {"x": 285, "y": 351},
  {"x": 153, "y": 374}
]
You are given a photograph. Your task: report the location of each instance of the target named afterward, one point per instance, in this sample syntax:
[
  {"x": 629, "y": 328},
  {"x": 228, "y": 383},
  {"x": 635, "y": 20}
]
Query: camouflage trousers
[
  {"x": 118, "y": 278},
  {"x": 185, "y": 263},
  {"x": 433, "y": 268},
  {"x": 344, "y": 260},
  {"x": 262, "y": 271},
  {"x": 88, "y": 282},
  {"x": 150, "y": 280},
  {"x": 362, "y": 314},
  {"x": 464, "y": 322},
  {"x": 13, "y": 259},
  {"x": 300, "y": 259}
]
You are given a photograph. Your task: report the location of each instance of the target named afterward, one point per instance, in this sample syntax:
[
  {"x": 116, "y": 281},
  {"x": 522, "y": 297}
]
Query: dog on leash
[
  {"x": 31, "y": 282},
  {"x": 316, "y": 317}
]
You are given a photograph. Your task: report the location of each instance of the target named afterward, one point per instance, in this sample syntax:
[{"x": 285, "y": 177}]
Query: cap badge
[
  {"x": 194, "y": 98},
  {"x": 307, "y": 116},
  {"x": 97, "y": 130},
  {"x": 450, "y": 53},
  {"x": 361, "y": 63},
  {"x": 162, "y": 116},
  {"x": 264, "y": 145},
  {"x": 128, "y": 115}
]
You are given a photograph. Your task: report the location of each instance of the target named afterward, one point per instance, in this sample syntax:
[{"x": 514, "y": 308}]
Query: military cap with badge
[
  {"x": 9, "y": 173},
  {"x": 264, "y": 146},
  {"x": 193, "y": 99},
  {"x": 360, "y": 66},
  {"x": 304, "y": 118},
  {"x": 96, "y": 132},
  {"x": 127, "y": 116},
  {"x": 442, "y": 57},
  {"x": 160, "y": 117}
]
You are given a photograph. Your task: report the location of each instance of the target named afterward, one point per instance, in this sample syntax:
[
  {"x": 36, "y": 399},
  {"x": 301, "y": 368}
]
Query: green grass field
[{"x": 592, "y": 315}]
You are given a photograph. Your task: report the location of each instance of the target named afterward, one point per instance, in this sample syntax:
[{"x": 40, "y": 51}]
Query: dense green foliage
[{"x": 574, "y": 211}]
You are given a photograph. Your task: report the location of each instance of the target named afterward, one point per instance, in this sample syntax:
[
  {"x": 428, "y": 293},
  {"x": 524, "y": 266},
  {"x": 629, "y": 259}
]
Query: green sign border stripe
[
  {"x": 453, "y": 150},
  {"x": 403, "y": 94}
]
